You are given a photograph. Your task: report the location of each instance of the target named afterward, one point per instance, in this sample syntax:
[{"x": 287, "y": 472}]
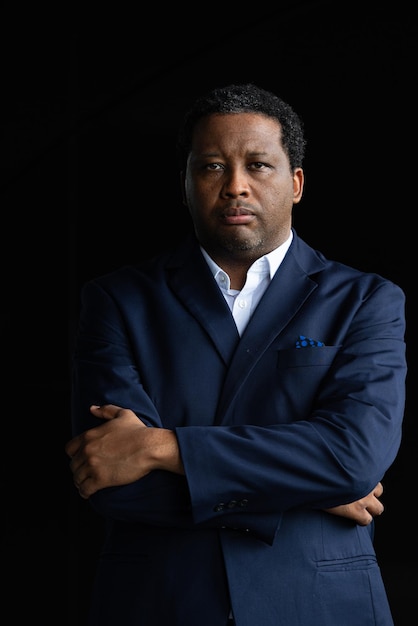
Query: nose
[{"x": 235, "y": 183}]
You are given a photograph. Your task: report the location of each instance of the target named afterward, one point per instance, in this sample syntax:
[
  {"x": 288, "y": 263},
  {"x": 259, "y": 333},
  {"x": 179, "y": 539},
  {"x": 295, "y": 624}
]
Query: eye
[
  {"x": 213, "y": 166},
  {"x": 257, "y": 165}
]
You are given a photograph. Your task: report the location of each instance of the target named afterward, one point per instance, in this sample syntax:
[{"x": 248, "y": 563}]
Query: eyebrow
[{"x": 251, "y": 154}]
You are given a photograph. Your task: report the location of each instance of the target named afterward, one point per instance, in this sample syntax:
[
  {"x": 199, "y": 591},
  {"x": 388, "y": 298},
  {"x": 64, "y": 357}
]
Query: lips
[{"x": 237, "y": 216}]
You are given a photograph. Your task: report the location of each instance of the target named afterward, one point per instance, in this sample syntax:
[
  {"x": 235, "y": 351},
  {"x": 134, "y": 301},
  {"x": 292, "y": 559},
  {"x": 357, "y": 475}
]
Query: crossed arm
[{"x": 125, "y": 450}]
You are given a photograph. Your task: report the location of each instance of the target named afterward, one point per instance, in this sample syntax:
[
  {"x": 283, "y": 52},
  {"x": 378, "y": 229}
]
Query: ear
[
  {"x": 183, "y": 186},
  {"x": 298, "y": 182}
]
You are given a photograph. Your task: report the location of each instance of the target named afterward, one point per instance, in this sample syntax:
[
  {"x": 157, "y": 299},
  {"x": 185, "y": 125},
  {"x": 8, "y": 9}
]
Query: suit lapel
[
  {"x": 287, "y": 292},
  {"x": 191, "y": 280}
]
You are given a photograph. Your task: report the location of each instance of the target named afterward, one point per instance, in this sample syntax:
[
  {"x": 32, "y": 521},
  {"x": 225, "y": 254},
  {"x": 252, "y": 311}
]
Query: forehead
[{"x": 253, "y": 130}]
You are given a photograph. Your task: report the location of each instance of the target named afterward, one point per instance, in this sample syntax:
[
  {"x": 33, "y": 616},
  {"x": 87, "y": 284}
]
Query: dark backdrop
[{"x": 89, "y": 182}]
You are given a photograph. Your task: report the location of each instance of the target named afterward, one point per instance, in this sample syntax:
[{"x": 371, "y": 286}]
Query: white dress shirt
[{"x": 243, "y": 303}]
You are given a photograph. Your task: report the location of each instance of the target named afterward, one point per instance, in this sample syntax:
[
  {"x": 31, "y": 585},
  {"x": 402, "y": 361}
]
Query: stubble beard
[{"x": 239, "y": 248}]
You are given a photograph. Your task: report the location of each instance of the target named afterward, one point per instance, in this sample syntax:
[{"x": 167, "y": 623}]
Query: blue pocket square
[{"x": 307, "y": 342}]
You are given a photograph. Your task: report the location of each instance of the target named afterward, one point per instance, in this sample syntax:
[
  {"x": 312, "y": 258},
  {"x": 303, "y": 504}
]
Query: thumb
[{"x": 106, "y": 411}]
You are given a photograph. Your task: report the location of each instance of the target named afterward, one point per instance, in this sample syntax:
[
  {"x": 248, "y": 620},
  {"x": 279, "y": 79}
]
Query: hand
[
  {"x": 362, "y": 511},
  {"x": 119, "y": 451}
]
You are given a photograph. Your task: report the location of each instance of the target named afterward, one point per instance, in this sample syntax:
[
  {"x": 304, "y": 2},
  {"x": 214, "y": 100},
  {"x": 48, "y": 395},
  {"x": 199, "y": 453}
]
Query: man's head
[{"x": 242, "y": 149}]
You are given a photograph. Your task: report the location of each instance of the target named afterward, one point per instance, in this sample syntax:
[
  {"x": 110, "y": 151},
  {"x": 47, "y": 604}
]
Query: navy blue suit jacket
[{"x": 301, "y": 413}]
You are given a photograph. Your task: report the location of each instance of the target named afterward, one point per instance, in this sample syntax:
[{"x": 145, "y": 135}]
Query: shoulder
[
  {"x": 322, "y": 269},
  {"x": 148, "y": 274}
]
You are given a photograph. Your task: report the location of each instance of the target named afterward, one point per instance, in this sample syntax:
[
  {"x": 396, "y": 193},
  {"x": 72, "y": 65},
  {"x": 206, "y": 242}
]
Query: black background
[{"x": 89, "y": 182}]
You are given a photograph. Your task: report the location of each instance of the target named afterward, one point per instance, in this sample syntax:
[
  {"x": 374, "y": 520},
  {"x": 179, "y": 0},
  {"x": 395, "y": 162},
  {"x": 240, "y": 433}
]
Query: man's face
[{"x": 238, "y": 186}]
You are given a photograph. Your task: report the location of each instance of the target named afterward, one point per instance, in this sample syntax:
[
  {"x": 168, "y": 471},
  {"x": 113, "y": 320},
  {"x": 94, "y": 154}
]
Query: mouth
[{"x": 237, "y": 216}]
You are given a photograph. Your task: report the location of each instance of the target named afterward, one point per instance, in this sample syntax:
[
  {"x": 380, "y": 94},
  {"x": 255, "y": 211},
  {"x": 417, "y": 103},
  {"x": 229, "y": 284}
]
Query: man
[{"x": 247, "y": 398}]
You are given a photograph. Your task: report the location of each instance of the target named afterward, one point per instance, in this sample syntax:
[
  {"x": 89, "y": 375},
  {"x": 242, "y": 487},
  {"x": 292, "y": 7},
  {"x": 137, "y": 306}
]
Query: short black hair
[{"x": 245, "y": 98}]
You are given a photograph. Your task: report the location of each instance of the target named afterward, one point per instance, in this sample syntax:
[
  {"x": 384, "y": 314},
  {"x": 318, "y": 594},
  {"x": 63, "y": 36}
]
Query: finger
[
  {"x": 362, "y": 516},
  {"x": 368, "y": 519},
  {"x": 106, "y": 411},
  {"x": 81, "y": 478},
  {"x": 72, "y": 446},
  {"x": 375, "y": 508},
  {"x": 76, "y": 464},
  {"x": 378, "y": 490},
  {"x": 84, "y": 491}
]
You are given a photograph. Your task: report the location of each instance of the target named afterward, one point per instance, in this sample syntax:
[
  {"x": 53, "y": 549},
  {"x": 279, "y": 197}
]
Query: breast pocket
[
  {"x": 299, "y": 375},
  {"x": 307, "y": 357}
]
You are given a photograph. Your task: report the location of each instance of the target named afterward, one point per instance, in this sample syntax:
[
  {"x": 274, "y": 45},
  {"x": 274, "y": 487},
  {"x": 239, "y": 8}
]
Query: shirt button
[{"x": 242, "y": 304}]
